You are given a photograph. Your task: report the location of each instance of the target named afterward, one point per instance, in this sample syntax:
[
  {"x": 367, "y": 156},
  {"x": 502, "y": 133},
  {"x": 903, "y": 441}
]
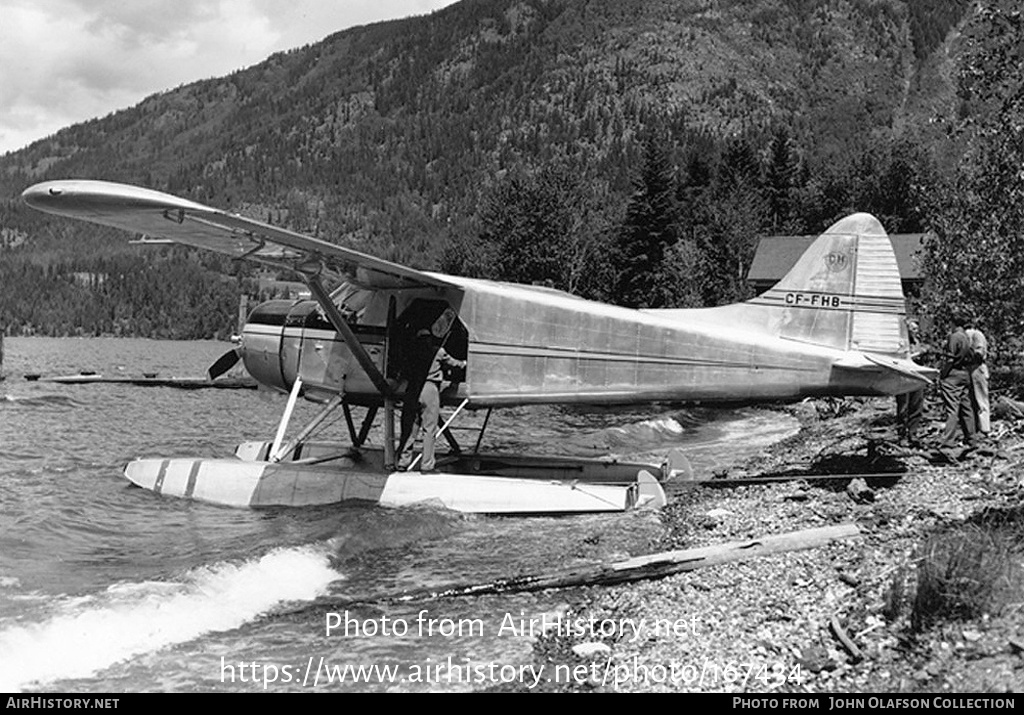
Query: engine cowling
[{"x": 283, "y": 339}]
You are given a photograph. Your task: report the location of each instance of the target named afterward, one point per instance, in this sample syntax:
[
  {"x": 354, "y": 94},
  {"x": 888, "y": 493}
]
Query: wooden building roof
[{"x": 775, "y": 255}]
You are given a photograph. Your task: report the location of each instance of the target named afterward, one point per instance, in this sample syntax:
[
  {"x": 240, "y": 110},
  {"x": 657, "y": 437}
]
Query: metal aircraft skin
[{"x": 834, "y": 325}]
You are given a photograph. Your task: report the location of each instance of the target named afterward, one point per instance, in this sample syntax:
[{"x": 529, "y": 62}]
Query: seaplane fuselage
[
  {"x": 834, "y": 325},
  {"x": 530, "y": 345}
]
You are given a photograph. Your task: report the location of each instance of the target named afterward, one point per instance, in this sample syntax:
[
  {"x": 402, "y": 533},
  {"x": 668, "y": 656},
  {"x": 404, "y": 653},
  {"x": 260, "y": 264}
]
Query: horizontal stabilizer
[{"x": 904, "y": 368}]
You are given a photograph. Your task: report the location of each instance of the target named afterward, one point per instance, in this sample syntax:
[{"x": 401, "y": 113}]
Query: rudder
[{"x": 844, "y": 292}]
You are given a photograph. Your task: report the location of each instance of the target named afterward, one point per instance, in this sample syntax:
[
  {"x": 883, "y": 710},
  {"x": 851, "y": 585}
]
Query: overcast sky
[{"x": 67, "y": 61}]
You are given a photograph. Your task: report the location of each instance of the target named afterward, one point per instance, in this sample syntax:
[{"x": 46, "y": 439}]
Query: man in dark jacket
[{"x": 430, "y": 364}]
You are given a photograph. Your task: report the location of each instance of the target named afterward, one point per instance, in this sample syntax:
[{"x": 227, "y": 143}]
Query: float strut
[
  {"x": 285, "y": 419},
  {"x": 389, "y": 434},
  {"x": 441, "y": 430},
  {"x": 308, "y": 429}
]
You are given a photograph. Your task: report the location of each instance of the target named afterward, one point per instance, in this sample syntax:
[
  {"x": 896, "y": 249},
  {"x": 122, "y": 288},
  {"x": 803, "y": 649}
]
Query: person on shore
[
  {"x": 955, "y": 385},
  {"x": 979, "y": 379},
  {"x": 910, "y": 405}
]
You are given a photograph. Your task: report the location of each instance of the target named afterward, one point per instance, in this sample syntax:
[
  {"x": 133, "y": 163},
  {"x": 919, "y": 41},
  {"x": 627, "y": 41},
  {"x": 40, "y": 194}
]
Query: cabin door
[{"x": 436, "y": 316}]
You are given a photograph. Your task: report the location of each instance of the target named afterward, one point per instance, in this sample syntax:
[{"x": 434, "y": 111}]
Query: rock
[
  {"x": 860, "y": 492},
  {"x": 1007, "y": 408},
  {"x": 816, "y": 659},
  {"x": 585, "y": 650},
  {"x": 849, "y": 579},
  {"x": 801, "y": 492}
]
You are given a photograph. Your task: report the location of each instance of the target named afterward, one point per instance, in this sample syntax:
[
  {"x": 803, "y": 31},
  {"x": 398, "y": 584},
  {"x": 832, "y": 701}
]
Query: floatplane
[{"x": 834, "y": 325}]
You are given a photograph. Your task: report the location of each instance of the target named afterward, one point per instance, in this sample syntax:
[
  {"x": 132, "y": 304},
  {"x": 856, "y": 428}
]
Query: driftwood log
[{"x": 651, "y": 566}]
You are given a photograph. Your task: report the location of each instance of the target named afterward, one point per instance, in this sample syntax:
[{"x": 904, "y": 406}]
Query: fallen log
[
  {"x": 776, "y": 478},
  {"x": 690, "y": 559},
  {"x": 651, "y": 566}
]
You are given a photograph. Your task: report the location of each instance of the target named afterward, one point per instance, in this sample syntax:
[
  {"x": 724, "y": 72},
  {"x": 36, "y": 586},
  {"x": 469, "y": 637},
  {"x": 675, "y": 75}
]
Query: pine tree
[
  {"x": 650, "y": 228},
  {"x": 731, "y": 225},
  {"x": 781, "y": 180}
]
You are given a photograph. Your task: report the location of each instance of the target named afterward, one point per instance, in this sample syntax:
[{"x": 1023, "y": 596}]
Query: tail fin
[{"x": 844, "y": 292}]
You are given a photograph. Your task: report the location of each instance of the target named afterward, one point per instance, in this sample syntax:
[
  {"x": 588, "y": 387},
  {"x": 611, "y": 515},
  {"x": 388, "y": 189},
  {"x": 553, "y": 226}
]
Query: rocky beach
[{"x": 923, "y": 598}]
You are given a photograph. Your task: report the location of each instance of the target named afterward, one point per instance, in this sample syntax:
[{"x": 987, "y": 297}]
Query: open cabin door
[{"x": 438, "y": 316}]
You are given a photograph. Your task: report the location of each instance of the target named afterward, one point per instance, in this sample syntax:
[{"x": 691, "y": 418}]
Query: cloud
[{"x": 66, "y": 61}]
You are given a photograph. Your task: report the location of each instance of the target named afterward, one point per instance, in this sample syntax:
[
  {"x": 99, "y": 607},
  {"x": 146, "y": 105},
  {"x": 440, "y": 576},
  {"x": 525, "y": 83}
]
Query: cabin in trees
[{"x": 775, "y": 255}]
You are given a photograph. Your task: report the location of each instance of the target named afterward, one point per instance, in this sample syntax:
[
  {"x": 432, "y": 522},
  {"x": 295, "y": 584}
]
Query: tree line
[
  {"x": 173, "y": 294},
  {"x": 687, "y": 233}
]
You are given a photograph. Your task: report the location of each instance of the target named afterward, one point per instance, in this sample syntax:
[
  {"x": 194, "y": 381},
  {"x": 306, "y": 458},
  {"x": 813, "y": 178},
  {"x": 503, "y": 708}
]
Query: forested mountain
[{"x": 432, "y": 140}]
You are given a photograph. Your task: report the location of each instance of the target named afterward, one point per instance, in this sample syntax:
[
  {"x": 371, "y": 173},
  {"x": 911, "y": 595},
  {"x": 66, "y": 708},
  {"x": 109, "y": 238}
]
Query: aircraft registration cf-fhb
[{"x": 833, "y": 326}]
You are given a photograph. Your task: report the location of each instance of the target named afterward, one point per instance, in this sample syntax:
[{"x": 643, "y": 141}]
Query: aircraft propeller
[{"x": 224, "y": 363}]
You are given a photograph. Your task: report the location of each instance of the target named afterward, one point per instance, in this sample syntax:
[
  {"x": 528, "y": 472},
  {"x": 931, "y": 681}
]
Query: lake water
[{"x": 105, "y": 587}]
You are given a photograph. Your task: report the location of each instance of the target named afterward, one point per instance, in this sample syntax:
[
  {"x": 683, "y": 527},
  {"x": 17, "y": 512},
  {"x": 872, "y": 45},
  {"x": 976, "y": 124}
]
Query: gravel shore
[{"x": 839, "y": 617}]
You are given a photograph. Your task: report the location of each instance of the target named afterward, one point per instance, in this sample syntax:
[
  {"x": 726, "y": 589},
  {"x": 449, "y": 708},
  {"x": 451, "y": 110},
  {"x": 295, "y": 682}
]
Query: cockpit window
[{"x": 351, "y": 301}]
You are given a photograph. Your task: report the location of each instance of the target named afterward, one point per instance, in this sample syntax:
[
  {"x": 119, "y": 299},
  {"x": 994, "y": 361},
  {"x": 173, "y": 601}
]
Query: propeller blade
[{"x": 224, "y": 363}]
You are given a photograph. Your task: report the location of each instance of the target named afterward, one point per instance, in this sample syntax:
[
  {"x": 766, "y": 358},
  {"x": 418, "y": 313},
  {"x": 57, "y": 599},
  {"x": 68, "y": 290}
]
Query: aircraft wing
[{"x": 157, "y": 216}]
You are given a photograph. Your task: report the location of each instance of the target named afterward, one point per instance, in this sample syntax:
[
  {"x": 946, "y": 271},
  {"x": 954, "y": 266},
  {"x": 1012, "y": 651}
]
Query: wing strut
[
  {"x": 362, "y": 357},
  {"x": 339, "y": 324}
]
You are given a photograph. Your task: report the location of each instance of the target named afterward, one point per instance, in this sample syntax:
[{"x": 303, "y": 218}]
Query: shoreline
[{"x": 835, "y": 618}]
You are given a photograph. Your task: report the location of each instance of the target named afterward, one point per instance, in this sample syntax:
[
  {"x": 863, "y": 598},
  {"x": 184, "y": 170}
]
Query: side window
[{"x": 351, "y": 302}]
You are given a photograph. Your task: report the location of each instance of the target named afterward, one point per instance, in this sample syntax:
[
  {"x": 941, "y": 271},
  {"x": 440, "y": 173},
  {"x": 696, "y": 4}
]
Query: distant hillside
[
  {"x": 387, "y": 136},
  {"x": 385, "y": 133}
]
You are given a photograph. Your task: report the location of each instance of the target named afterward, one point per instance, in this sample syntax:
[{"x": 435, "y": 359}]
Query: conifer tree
[
  {"x": 732, "y": 224},
  {"x": 650, "y": 228},
  {"x": 781, "y": 180}
]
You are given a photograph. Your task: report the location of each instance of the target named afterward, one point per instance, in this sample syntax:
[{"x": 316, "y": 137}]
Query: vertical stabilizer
[{"x": 844, "y": 292}]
